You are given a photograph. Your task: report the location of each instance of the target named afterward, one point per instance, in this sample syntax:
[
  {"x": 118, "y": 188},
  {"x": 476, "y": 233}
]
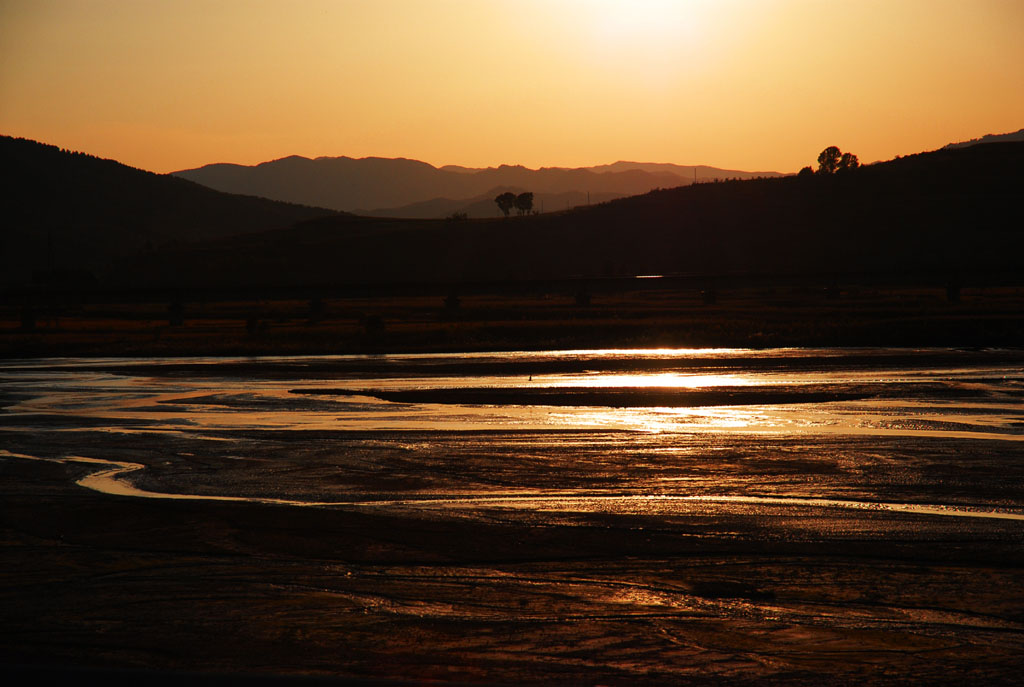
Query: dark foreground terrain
[{"x": 720, "y": 596}]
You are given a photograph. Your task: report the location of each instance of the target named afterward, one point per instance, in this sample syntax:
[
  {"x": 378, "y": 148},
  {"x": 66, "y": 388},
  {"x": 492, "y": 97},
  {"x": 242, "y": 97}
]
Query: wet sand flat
[{"x": 507, "y": 544}]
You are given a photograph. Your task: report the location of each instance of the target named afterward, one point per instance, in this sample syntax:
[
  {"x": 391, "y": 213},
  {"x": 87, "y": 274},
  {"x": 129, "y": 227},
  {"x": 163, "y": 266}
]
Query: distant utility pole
[{"x": 588, "y": 197}]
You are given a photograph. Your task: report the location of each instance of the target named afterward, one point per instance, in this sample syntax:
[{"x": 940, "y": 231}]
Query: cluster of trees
[
  {"x": 833, "y": 161},
  {"x": 523, "y": 203}
]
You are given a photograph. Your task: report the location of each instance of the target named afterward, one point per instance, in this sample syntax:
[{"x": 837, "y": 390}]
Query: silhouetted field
[{"x": 743, "y": 317}]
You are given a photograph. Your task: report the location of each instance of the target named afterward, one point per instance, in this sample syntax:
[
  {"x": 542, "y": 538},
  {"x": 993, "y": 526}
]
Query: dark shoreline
[
  {"x": 755, "y": 318},
  {"x": 552, "y": 362}
]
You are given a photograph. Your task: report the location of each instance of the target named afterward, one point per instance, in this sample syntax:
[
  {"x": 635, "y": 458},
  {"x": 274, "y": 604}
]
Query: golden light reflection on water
[
  {"x": 109, "y": 478},
  {"x": 665, "y": 419},
  {"x": 149, "y": 401},
  {"x": 667, "y": 380},
  {"x": 966, "y": 403}
]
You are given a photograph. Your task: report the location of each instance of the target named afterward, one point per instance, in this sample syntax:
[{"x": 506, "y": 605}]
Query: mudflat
[{"x": 168, "y": 524}]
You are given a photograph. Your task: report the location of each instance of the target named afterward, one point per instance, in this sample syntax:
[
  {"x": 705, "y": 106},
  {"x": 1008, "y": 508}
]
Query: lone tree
[
  {"x": 833, "y": 160},
  {"x": 506, "y": 201},
  {"x": 524, "y": 203},
  {"x": 828, "y": 161}
]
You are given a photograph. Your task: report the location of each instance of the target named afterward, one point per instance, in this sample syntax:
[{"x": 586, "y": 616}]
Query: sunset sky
[{"x": 743, "y": 84}]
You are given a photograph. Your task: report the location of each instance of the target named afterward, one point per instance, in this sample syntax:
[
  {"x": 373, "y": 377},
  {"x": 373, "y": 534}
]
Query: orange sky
[{"x": 745, "y": 84}]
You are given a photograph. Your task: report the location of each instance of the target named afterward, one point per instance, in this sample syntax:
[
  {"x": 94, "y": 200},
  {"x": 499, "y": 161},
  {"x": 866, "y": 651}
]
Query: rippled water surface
[
  {"x": 667, "y": 423},
  {"x": 615, "y": 517}
]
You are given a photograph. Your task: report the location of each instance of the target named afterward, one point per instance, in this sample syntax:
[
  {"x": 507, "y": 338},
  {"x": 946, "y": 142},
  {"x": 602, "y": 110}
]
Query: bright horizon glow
[{"x": 753, "y": 85}]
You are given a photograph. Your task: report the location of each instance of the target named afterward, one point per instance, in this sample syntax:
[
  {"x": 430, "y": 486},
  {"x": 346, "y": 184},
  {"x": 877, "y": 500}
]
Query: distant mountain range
[{"x": 412, "y": 189}]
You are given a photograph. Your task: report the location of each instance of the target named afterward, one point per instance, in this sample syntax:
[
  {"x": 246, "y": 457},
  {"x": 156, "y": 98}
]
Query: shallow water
[
  {"x": 925, "y": 402},
  {"x": 605, "y": 517}
]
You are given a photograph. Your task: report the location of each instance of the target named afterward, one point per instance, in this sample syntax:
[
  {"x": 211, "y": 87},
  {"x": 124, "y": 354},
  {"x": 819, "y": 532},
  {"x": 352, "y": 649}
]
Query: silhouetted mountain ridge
[
  {"x": 375, "y": 184},
  {"x": 74, "y": 211},
  {"x": 703, "y": 172},
  {"x": 989, "y": 138},
  {"x": 943, "y": 213}
]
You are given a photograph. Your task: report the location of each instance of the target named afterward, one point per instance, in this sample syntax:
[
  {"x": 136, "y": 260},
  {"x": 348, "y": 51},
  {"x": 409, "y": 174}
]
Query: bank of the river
[{"x": 741, "y": 317}]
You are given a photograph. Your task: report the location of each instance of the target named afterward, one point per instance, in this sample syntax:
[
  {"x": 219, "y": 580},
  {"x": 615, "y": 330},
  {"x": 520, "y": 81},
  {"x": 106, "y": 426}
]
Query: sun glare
[
  {"x": 640, "y": 22},
  {"x": 644, "y": 44}
]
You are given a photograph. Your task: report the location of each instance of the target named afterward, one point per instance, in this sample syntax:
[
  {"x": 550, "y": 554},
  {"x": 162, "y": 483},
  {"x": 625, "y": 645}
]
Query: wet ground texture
[{"x": 511, "y": 542}]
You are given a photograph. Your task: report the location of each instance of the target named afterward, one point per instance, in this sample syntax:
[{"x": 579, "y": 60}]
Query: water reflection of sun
[
  {"x": 658, "y": 420},
  {"x": 661, "y": 380}
]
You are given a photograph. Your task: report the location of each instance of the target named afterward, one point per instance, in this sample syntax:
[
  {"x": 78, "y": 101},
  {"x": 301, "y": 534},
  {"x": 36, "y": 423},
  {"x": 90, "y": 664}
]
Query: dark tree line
[
  {"x": 523, "y": 203},
  {"x": 833, "y": 161}
]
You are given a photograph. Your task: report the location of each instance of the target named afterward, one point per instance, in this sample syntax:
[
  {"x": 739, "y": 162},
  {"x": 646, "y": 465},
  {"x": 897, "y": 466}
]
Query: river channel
[{"x": 614, "y": 515}]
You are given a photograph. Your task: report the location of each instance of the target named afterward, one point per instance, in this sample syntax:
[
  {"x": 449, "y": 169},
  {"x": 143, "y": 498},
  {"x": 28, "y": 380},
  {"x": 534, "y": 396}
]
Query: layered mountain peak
[{"x": 405, "y": 187}]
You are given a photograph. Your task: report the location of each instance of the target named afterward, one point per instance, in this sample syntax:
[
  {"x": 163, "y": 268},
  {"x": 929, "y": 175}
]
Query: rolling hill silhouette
[
  {"x": 412, "y": 188},
  {"x": 72, "y": 214},
  {"x": 944, "y": 212},
  {"x": 990, "y": 138}
]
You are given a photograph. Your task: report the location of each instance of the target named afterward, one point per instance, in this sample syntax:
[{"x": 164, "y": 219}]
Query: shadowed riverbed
[{"x": 619, "y": 517}]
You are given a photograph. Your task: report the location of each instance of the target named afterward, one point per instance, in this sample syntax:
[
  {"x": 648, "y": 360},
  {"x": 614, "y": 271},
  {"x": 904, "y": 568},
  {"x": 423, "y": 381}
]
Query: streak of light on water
[
  {"x": 968, "y": 399},
  {"x": 84, "y": 388},
  {"x": 110, "y": 480}
]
